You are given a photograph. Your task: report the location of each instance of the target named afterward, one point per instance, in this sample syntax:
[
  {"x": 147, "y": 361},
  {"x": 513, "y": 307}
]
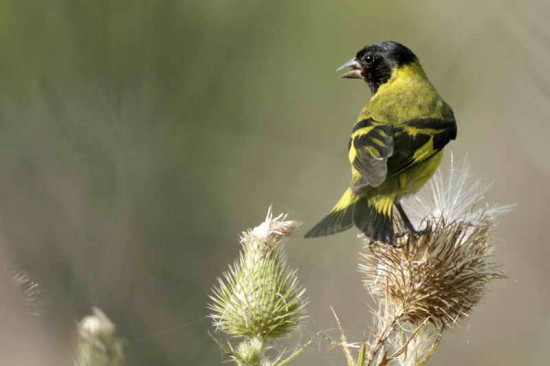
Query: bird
[{"x": 396, "y": 144}]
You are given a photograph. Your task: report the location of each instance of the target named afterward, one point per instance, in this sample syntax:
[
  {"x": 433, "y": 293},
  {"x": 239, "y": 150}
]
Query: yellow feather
[
  {"x": 347, "y": 199},
  {"x": 378, "y": 142},
  {"x": 382, "y": 204},
  {"x": 362, "y": 131}
]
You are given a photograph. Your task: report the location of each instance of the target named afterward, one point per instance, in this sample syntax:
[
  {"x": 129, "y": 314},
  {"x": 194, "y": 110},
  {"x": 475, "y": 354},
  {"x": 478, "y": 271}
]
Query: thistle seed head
[{"x": 439, "y": 275}]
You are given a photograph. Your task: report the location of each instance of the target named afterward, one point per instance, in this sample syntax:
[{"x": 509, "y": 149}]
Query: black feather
[
  {"x": 362, "y": 124},
  {"x": 373, "y": 224},
  {"x": 387, "y": 56},
  {"x": 443, "y": 138},
  {"x": 334, "y": 222},
  {"x": 371, "y": 159}
]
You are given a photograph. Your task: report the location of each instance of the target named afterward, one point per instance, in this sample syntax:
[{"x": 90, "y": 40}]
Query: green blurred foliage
[{"x": 138, "y": 138}]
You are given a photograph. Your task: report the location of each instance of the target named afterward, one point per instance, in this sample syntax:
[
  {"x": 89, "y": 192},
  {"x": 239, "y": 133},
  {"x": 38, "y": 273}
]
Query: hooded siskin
[{"x": 396, "y": 144}]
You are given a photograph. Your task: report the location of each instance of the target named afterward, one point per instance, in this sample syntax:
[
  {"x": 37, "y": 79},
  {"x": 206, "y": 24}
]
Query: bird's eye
[{"x": 369, "y": 59}]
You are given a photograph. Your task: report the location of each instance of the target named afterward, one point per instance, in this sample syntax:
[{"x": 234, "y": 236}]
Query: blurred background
[{"x": 138, "y": 138}]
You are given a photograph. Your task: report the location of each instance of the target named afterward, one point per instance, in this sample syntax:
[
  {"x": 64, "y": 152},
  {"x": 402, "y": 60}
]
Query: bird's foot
[{"x": 416, "y": 233}]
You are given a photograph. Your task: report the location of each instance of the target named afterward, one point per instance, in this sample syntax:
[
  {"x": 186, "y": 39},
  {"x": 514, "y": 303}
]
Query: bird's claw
[{"x": 416, "y": 233}]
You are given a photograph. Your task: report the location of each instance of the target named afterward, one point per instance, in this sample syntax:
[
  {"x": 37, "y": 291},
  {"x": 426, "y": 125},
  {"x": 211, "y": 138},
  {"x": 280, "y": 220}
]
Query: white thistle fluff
[{"x": 455, "y": 197}]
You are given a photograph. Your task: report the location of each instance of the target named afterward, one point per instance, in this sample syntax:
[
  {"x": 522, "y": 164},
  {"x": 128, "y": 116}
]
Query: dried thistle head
[
  {"x": 438, "y": 276},
  {"x": 429, "y": 281},
  {"x": 259, "y": 297},
  {"x": 98, "y": 344},
  {"x": 265, "y": 239}
]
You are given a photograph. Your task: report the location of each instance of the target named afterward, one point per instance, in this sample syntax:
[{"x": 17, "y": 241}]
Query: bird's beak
[{"x": 354, "y": 69}]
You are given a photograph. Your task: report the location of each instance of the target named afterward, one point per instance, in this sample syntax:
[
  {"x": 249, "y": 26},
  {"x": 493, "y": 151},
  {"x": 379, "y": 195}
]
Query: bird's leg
[{"x": 406, "y": 221}]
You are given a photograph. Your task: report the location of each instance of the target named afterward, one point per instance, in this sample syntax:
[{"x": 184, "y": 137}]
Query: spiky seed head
[
  {"x": 259, "y": 296},
  {"x": 439, "y": 275}
]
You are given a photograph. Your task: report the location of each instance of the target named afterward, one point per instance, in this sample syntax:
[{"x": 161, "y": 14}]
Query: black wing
[
  {"x": 419, "y": 139},
  {"x": 383, "y": 150},
  {"x": 371, "y": 145}
]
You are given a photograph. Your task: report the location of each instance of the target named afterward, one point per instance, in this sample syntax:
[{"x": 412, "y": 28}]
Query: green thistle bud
[
  {"x": 259, "y": 297},
  {"x": 250, "y": 352}
]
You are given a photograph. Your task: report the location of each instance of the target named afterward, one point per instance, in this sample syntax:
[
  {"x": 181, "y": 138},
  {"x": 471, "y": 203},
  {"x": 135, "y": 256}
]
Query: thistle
[
  {"x": 98, "y": 344},
  {"x": 428, "y": 283},
  {"x": 259, "y": 299}
]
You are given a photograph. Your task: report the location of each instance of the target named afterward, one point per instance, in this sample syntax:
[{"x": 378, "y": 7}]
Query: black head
[{"x": 375, "y": 63}]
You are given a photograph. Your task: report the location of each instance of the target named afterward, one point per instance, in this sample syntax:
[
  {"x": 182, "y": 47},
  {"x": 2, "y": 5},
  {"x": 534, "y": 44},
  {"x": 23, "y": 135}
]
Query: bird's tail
[
  {"x": 374, "y": 217},
  {"x": 339, "y": 219}
]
